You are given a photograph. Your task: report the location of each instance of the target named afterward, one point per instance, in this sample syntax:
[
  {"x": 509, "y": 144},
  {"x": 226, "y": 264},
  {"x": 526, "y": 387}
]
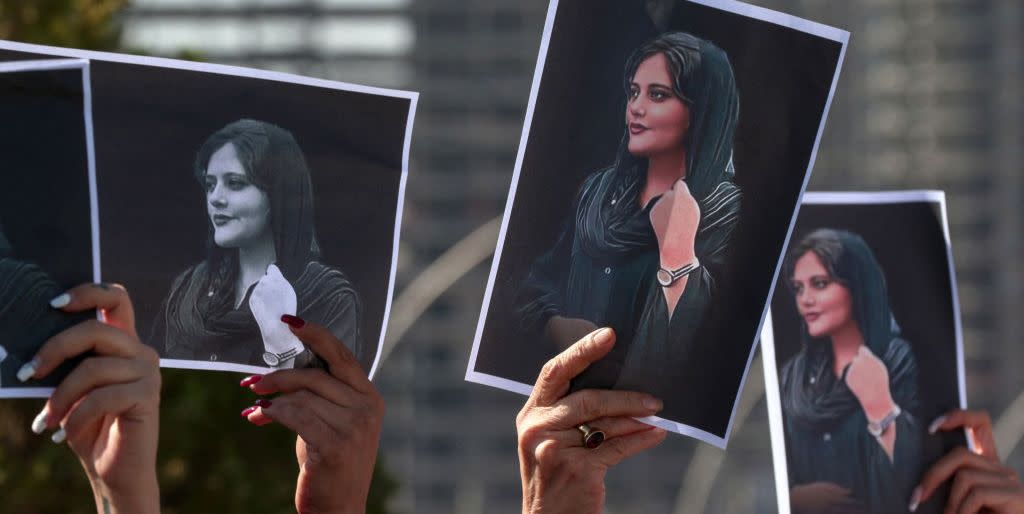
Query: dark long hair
[
  {"x": 273, "y": 161},
  {"x": 849, "y": 261},
  {"x": 703, "y": 78}
]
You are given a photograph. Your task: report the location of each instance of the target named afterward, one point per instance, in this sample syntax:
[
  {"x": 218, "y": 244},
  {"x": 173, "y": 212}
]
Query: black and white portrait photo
[
  {"x": 657, "y": 179},
  {"x": 233, "y": 197},
  {"x": 864, "y": 352},
  {"x": 47, "y": 230}
]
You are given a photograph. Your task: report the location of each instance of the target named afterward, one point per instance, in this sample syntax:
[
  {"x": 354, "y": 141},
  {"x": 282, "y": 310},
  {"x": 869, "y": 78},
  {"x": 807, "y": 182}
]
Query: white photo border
[
  {"x": 94, "y": 213},
  {"x": 771, "y": 371},
  {"x": 238, "y": 71},
  {"x": 732, "y": 6}
]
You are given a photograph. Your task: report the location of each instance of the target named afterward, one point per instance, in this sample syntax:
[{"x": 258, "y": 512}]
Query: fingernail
[
  {"x": 263, "y": 403},
  {"x": 652, "y": 403},
  {"x": 248, "y": 381},
  {"x": 248, "y": 410},
  {"x": 59, "y": 436},
  {"x": 603, "y": 336},
  {"x": 934, "y": 427},
  {"x": 915, "y": 499},
  {"x": 39, "y": 424},
  {"x": 293, "y": 321},
  {"x": 61, "y": 301},
  {"x": 29, "y": 369}
]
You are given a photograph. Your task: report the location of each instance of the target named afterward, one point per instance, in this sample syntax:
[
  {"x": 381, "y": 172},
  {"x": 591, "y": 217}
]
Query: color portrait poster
[
  {"x": 864, "y": 351},
  {"x": 665, "y": 149},
  {"x": 48, "y": 213}
]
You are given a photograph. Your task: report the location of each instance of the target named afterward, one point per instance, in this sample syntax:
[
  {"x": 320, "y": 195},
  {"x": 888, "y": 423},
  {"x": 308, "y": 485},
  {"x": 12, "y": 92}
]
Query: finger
[
  {"x": 970, "y": 479},
  {"x": 990, "y": 497},
  {"x": 553, "y": 381},
  {"x": 340, "y": 362},
  {"x": 111, "y": 299},
  {"x": 90, "y": 374},
  {"x": 957, "y": 459},
  {"x": 90, "y": 412},
  {"x": 316, "y": 381},
  {"x": 958, "y": 418},
  {"x": 590, "y": 404},
  {"x": 616, "y": 450},
  {"x": 306, "y": 415},
  {"x": 612, "y": 428},
  {"x": 87, "y": 336}
]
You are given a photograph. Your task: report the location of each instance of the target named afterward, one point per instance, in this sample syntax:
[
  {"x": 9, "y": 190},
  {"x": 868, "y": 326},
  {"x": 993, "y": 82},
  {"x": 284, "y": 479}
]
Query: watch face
[
  {"x": 664, "y": 277},
  {"x": 271, "y": 359}
]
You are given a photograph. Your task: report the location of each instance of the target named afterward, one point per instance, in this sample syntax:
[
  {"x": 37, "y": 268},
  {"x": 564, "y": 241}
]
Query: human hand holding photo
[
  {"x": 108, "y": 407},
  {"x": 273, "y": 297},
  {"x": 559, "y": 473},
  {"x": 335, "y": 412},
  {"x": 980, "y": 482}
]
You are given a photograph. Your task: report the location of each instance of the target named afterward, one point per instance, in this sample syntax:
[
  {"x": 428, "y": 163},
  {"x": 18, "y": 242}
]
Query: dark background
[
  {"x": 908, "y": 242},
  {"x": 783, "y": 76},
  {"x": 44, "y": 202},
  {"x": 150, "y": 122}
]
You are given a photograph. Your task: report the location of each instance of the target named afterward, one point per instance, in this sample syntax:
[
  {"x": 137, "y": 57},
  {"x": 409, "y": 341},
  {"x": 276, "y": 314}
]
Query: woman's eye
[
  {"x": 820, "y": 284},
  {"x": 236, "y": 184},
  {"x": 209, "y": 185},
  {"x": 658, "y": 95},
  {"x": 633, "y": 93},
  {"x": 797, "y": 289}
]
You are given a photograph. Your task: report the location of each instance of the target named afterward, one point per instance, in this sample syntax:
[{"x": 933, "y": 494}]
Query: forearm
[{"x": 144, "y": 498}]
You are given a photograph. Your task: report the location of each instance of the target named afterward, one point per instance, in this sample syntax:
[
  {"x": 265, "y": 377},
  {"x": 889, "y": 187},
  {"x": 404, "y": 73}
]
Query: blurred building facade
[{"x": 928, "y": 99}]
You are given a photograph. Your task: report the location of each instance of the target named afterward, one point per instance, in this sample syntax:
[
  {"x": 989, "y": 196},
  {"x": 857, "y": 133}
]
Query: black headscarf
[
  {"x": 609, "y": 221},
  {"x": 817, "y": 404},
  {"x": 274, "y": 162}
]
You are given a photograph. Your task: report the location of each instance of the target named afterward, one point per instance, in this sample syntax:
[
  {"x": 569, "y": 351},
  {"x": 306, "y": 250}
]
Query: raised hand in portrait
[
  {"x": 559, "y": 472},
  {"x": 272, "y": 298},
  {"x": 823, "y": 498},
  {"x": 108, "y": 407},
  {"x": 868, "y": 380},
  {"x": 675, "y": 219},
  {"x": 336, "y": 413},
  {"x": 980, "y": 482}
]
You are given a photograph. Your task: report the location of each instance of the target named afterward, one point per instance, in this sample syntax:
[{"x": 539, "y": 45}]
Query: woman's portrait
[
  {"x": 262, "y": 259},
  {"x": 850, "y": 396},
  {"x": 649, "y": 234},
  {"x": 866, "y": 347},
  {"x": 664, "y": 156}
]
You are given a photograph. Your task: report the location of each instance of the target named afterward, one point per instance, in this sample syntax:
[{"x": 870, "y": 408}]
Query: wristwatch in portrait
[
  {"x": 275, "y": 359},
  {"x": 667, "y": 277},
  {"x": 878, "y": 428}
]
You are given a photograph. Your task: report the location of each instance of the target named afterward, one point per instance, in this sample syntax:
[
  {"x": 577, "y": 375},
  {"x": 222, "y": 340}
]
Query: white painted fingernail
[
  {"x": 28, "y": 370},
  {"x": 59, "y": 436},
  {"x": 934, "y": 427},
  {"x": 61, "y": 301},
  {"x": 39, "y": 424},
  {"x": 915, "y": 499}
]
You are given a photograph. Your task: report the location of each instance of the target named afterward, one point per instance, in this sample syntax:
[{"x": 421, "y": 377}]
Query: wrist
[
  {"x": 676, "y": 258},
  {"x": 142, "y": 497},
  {"x": 878, "y": 410}
]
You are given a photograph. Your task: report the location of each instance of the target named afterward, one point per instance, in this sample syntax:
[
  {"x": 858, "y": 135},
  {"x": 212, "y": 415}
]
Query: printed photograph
[
  {"x": 665, "y": 151},
  {"x": 234, "y": 196},
  {"x": 867, "y": 347},
  {"x": 46, "y": 211}
]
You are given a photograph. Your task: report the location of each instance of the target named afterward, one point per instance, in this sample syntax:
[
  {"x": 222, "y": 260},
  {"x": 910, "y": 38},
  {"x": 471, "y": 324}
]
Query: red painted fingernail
[
  {"x": 248, "y": 381},
  {"x": 293, "y": 321},
  {"x": 248, "y": 410},
  {"x": 262, "y": 403}
]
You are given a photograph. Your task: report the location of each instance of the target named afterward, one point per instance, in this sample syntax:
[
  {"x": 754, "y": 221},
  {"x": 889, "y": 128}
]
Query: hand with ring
[{"x": 567, "y": 442}]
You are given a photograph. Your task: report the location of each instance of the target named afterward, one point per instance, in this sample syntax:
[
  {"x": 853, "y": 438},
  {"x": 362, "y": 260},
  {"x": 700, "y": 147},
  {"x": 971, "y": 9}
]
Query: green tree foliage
[
  {"x": 88, "y": 24},
  {"x": 210, "y": 459}
]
